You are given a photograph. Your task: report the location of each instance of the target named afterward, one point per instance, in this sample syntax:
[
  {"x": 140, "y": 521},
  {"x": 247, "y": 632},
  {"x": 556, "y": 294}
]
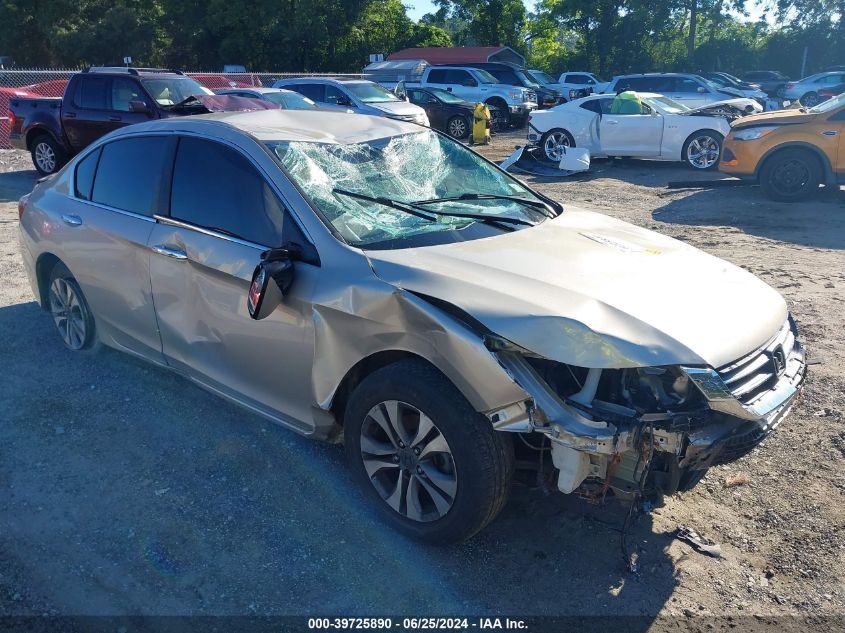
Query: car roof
[
  {"x": 329, "y": 80},
  {"x": 283, "y": 125}
]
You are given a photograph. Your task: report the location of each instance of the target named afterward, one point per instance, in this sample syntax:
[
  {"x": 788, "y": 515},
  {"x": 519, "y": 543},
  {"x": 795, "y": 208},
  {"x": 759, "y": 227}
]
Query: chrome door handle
[
  {"x": 71, "y": 219},
  {"x": 169, "y": 251},
  {"x": 613, "y": 122}
]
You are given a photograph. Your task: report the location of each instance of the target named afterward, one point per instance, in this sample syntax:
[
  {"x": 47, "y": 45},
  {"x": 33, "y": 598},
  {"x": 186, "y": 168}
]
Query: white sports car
[{"x": 659, "y": 128}]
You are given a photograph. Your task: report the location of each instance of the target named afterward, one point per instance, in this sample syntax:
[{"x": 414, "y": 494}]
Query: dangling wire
[{"x": 635, "y": 510}]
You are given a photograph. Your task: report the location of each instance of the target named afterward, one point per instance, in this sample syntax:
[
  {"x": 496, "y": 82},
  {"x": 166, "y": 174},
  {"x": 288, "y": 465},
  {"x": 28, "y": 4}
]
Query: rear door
[
  {"x": 86, "y": 111},
  {"x": 223, "y": 214},
  {"x": 117, "y": 190}
]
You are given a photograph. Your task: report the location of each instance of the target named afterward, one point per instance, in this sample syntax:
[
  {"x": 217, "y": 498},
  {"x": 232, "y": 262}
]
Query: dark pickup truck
[{"x": 97, "y": 101}]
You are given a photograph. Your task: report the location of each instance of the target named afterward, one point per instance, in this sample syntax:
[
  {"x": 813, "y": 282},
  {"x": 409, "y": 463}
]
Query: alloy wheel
[
  {"x": 45, "y": 157},
  {"x": 69, "y": 314},
  {"x": 408, "y": 461},
  {"x": 555, "y": 146},
  {"x": 457, "y": 128},
  {"x": 703, "y": 152},
  {"x": 810, "y": 100}
]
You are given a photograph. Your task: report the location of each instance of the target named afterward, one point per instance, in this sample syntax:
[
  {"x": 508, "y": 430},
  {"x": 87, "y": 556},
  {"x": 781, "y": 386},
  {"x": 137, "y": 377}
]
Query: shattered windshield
[
  {"x": 410, "y": 168},
  {"x": 665, "y": 104}
]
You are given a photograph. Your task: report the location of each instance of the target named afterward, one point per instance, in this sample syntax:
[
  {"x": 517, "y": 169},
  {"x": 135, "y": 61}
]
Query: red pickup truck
[{"x": 97, "y": 101}]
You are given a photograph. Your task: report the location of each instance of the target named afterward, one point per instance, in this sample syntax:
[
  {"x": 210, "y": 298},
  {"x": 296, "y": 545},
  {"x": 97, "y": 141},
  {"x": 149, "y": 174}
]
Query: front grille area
[
  {"x": 755, "y": 374},
  {"x": 530, "y": 95}
]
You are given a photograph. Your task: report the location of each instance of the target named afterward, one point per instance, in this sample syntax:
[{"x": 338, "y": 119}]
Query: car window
[
  {"x": 315, "y": 92},
  {"x": 578, "y": 80},
  {"x": 506, "y": 77},
  {"x": 594, "y": 105},
  {"x": 85, "y": 175},
  {"x": 129, "y": 172},
  {"x": 91, "y": 93},
  {"x": 418, "y": 96},
  {"x": 122, "y": 92},
  {"x": 437, "y": 76},
  {"x": 461, "y": 77},
  {"x": 335, "y": 95},
  {"x": 217, "y": 188},
  {"x": 685, "y": 84}
]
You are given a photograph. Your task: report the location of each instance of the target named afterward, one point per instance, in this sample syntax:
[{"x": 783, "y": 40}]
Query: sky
[{"x": 418, "y": 8}]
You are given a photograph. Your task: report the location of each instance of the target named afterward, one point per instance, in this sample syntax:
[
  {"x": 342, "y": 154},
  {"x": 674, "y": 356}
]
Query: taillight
[
  {"x": 22, "y": 205},
  {"x": 11, "y": 120}
]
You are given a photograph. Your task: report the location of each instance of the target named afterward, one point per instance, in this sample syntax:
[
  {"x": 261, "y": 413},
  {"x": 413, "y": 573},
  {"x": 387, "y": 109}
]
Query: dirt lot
[{"x": 126, "y": 490}]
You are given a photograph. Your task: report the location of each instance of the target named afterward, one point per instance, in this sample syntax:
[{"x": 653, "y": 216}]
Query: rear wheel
[
  {"x": 69, "y": 309},
  {"x": 554, "y": 144},
  {"x": 702, "y": 149},
  {"x": 791, "y": 175},
  {"x": 434, "y": 467},
  {"x": 47, "y": 155},
  {"x": 457, "y": 127}
]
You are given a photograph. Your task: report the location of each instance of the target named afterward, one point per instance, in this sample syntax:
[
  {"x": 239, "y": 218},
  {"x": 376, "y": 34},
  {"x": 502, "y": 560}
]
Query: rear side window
[
  {"x": 91, "y": 93},
  {"x": 217, "y": 188},
  {"x": 594, "y": 105},
  {"x": 683, "y": 84},
  {"x": 129, "y": 173},
  {"x": 437, "y": 76},
  {"x": 576, "y": 79},
  {"x": 315, "y": 92},
  {"x": 85, "y": 171}
]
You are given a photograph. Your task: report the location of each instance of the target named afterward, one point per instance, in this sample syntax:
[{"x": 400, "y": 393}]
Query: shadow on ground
[
  {"x": 14, "y": 184},
  {"x": 127, "y": 489},
  {"x": 819, "y": 222}
]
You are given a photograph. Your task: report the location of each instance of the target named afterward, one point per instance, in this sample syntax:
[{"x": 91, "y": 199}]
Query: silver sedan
[{"x": 371, "y": 281}]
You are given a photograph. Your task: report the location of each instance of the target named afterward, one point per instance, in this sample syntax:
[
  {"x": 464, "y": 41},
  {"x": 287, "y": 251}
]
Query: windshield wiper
[
  {"x": 410, "y": 207},
  {"x": 536, "y": 204},
  {"x": 394, "y": 204}
]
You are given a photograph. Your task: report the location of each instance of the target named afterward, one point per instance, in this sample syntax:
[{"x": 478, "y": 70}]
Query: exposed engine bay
[{"x": 649, "y": 430}]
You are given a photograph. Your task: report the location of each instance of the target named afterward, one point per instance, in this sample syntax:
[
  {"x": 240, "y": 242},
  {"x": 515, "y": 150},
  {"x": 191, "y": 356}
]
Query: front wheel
[
  {"x": 435, "y": 468},
  {"x": 47, "y": 155},
  {"x": 791, "y": 175},
  {"x": 810, "y": 99},
  {"x": 702, "y": 149},
  {"x": 457, "y": 127},
  {"x": 554, "y": 144}
]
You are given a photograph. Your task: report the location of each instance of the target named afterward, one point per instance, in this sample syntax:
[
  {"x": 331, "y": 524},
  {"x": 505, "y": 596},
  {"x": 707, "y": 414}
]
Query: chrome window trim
[
  {"x": 164, "y": 219},
  {"x": 105, "y": 207}
]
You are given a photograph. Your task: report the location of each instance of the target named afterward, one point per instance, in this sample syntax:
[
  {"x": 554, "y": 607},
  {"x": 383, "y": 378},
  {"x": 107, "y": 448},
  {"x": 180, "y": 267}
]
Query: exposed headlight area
[
  {"x": 602, "y": 425},
  {"x": 753, "y": 133}
]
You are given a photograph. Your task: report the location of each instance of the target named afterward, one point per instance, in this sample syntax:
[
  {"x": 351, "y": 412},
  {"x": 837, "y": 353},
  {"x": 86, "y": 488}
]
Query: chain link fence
[{"x": 51, "y": 82}]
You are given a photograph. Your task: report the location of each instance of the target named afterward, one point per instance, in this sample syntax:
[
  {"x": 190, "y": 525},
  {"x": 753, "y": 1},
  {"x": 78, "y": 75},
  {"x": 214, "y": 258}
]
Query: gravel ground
[{"x": 127, "y": 490}]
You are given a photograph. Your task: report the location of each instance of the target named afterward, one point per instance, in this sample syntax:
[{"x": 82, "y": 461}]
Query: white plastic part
[
  {"x": 588, "y": 391},
  {"x": 574, "y": 467},
  {"x": 575, "y": 159}
]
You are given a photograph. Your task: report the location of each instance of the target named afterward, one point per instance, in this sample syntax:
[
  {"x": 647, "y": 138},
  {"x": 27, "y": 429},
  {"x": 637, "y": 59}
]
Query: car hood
[
  {"x": 397, "y": 108},
  {"x": 592, "y": 291},
  {"x": 775, "y": 117}
]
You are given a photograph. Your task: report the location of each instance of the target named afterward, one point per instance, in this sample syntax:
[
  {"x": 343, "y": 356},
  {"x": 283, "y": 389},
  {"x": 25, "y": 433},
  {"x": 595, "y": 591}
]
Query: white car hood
[
  {"x": 398, "y": 108},
  {"x": 592, "y": 291}
]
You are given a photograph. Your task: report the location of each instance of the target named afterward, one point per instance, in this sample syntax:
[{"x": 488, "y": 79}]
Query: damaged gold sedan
[{"x": 370, "y": 281}]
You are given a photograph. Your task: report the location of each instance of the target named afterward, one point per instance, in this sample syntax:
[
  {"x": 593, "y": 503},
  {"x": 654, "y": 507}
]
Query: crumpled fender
[{"x": 378, "y": 317}]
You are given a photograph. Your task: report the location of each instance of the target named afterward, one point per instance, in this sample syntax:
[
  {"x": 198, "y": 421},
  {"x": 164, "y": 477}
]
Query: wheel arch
[
  {"x": 44, "y": 266},
  {"x": 38, "y": 130},
  {"x": 824, "y": 162}
]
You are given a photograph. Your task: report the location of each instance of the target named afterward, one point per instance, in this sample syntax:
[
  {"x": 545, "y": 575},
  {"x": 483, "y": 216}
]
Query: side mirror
[
  {"x": 271, "y": 279},
  {"x": 139, "y": 107},
  {"x": 702, "y": 89}
]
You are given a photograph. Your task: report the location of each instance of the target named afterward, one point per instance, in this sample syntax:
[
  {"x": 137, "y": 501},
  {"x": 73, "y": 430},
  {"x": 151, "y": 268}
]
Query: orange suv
[{"x": 789, "y": 152}]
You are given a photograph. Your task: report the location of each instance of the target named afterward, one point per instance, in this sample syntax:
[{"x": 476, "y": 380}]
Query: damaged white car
[
  {"x": 649, "y": 126},
  {"x": 374, "y": 282}
]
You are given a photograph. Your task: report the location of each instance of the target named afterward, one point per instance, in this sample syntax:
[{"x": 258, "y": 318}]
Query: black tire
[
  {"x": 791, "y": 175},
  {"x": 458, "y": 127},
  {"x": 810, "y": 99},
  {"x": 77, "y": 331},
  {"x": 47, "y": 155},
  {"x": 550, "y": 137},
  {"x": 711, "y": 160},
  {"x": 482, "y": 459}
]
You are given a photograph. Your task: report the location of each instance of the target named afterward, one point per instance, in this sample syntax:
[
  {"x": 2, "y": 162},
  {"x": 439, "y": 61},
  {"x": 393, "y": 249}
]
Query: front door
[
  {"x": 631, "y": 131},
  {"x": 223, "y": 215}
]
